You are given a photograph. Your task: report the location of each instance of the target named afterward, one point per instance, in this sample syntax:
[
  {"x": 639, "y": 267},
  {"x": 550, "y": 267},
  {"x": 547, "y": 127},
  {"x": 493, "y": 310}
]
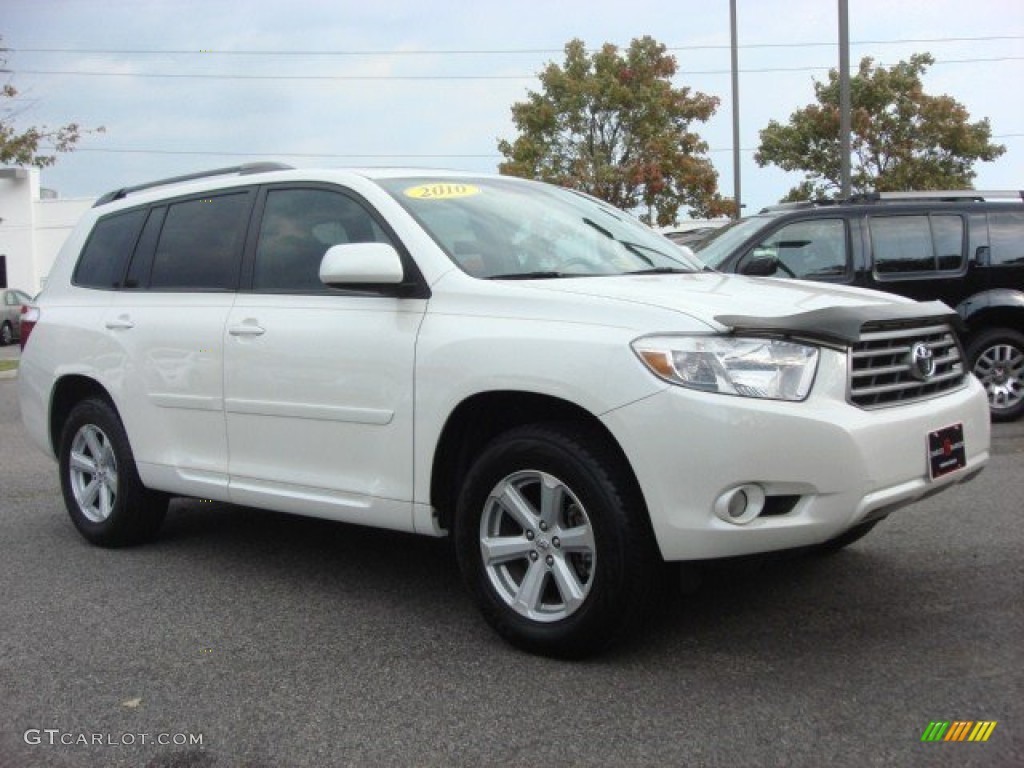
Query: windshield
[
  {"x": 511, "y": 229},
  {"x": 721, "y": 244}
]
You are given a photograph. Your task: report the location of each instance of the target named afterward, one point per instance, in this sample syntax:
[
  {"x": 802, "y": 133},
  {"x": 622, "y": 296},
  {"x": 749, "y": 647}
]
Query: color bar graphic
[{"x": 958, "y": 730}]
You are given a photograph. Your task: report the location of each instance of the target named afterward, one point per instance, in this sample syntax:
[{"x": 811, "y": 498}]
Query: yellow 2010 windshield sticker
[{"x": 441, "y": 191}]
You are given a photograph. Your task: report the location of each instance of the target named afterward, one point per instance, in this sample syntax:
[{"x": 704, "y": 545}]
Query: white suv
[{"x": 568, "y": 393}]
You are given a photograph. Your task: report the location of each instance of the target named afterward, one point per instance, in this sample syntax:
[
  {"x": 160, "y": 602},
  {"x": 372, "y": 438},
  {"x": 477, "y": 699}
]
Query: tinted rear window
[
  {"x": 913, "y": 244},
  {"x": 201, "y": 244}
]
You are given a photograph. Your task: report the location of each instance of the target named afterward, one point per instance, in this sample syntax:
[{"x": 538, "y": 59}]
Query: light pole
[
  {"x": 844, "y": 99},
  {"x": 735, "y": 110}
]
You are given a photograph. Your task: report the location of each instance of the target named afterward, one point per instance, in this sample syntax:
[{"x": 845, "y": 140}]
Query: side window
[
  {"x": 813, "y": 249},
  {"x": 298, "y": 227},
  {"x": 201, "y": 243},
  {"x": 915, "y": 244},
  {"x": 948, "y": 236},
  {"x": 1006, "y": 238},
  {"x": 106, "y": 253}
]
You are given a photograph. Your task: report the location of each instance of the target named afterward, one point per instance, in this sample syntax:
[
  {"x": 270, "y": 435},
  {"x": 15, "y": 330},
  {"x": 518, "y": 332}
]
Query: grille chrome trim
[{"x": 880, "y": 368}]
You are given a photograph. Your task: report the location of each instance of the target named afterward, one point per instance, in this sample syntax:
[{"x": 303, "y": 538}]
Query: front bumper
[{"x": 843, "y": 465}]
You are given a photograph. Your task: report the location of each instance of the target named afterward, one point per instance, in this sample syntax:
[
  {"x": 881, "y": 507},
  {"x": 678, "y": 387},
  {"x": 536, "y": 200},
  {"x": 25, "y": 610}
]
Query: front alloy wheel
[
  {"x": 553, "y": 540},
  {"x": 537, "y": 546}
]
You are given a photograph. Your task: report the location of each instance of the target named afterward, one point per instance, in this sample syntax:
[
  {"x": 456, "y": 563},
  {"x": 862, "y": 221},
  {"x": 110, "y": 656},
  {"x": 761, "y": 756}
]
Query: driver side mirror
[
  {"x": 760, "y": 266},
  {"x": 361, "y": 264}
]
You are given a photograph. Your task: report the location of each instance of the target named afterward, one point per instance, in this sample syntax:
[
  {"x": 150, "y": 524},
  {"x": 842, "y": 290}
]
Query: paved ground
[{"x": 287, "y": 642}]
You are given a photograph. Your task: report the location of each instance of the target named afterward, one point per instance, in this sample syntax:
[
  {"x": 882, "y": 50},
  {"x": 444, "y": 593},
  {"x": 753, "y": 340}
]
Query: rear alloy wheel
[
  {"x": 997, "y": 359},
  {"x": 102, "y": 491},
  {"x": 553, "y": 541},
  {"x": 6, "y": 335}
]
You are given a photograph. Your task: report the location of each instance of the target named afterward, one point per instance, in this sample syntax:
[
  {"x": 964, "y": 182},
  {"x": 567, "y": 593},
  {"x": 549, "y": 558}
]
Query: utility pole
[
  {"x": 735, "y": 110},
  {"x": 844, "y": 98}
]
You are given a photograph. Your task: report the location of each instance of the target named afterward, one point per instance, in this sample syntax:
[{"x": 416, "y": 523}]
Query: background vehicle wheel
[
  {"x": 553, "y": 540},
  {"x": 997, "y": 359},
  {"x": 6, "y": 334},
  {"x": 845, "y": 539},
  {"x": 101, "y": 486}
]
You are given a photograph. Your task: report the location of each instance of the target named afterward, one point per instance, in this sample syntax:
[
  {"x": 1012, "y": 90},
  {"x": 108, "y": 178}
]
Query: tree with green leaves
[
  {"x": 902, "y": 138},
  {"x": 25, "y": 147},
  {"x": 613, "y": 125}
]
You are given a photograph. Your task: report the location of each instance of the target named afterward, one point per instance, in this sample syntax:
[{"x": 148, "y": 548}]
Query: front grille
[{"x": 883, "y": 370}]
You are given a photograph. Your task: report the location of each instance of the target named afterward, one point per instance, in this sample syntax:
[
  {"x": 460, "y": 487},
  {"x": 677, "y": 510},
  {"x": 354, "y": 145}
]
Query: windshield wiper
[
  {"x": 660, "y": 271},
  {"x": 536, "y": 275}
]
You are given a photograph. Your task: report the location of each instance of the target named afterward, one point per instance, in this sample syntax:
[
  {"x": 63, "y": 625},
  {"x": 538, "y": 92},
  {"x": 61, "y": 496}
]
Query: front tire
[
  {"x": 102, "y": 491},
  {"x": 997, "y": 359},
  {"x": 553, "y": 540}
]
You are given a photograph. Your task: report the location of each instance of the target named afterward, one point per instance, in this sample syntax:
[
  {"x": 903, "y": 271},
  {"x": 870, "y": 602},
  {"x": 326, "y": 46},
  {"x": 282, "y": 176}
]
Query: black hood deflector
[{"x": 839, "y": 325}]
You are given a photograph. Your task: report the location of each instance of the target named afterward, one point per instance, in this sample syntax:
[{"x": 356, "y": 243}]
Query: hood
[
  {"x": 707, "y": 294},
  {"x": 758, "y": 305}
]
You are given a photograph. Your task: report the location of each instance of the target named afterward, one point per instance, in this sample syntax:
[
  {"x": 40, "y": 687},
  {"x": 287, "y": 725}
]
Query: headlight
[{"x": 750, "y": 367}]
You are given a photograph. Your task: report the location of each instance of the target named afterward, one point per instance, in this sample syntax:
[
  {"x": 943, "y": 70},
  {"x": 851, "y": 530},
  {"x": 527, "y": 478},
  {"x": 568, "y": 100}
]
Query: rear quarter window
[{"x": 103, "y": 260}]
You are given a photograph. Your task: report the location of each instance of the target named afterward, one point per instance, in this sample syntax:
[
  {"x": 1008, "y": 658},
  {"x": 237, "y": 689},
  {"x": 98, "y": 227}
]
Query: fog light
[
  {"x": 737, "y": 504},
  {"x": 740, "y": 505}
]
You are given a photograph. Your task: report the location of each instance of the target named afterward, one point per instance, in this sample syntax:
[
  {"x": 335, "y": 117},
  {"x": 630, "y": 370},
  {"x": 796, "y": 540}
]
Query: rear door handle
[
  {"x": 246, "y": 329},
  {"x": 122, "y": 323}
]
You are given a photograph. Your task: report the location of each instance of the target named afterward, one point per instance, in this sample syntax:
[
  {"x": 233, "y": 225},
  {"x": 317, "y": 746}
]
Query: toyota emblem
[{"x": 922, "y": 361}]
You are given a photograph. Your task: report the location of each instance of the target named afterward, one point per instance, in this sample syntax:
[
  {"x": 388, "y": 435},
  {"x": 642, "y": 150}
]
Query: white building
[{"x": 34, "y": 223}]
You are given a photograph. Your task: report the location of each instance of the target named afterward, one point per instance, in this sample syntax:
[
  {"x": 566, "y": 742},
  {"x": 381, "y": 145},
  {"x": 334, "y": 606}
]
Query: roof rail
[
  {"x": 796, "y": 205},
  {"x": 949, "y": 195},
  {"x": 241, "y": 170}
]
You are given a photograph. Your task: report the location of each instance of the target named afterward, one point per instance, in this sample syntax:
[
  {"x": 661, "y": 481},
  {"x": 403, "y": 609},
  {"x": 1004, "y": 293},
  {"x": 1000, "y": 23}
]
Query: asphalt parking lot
[{"x": 280, "y": 641}]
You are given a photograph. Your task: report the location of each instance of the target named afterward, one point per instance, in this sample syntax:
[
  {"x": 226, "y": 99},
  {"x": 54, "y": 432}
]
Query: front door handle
[{"x": 246, "y": 329}]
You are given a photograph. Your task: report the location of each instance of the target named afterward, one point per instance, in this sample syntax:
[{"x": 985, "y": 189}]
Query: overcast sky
[{"x": 430, "y": 83}]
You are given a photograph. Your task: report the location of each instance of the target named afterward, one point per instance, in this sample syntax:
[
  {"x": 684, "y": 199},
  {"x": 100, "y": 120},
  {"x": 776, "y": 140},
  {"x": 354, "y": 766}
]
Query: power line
[
  {"x": 202, "y": 76},
  {"x": 357, "y": 155},
  {"x": 235, "y": 153},
  {"x": 482, "y": 52}
]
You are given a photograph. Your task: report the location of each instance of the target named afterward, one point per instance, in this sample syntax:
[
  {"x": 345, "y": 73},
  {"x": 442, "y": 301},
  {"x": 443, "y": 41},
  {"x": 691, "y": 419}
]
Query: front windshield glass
[
  {"x": 498, "y": 228},
  {"x": 718, "y": 246}
]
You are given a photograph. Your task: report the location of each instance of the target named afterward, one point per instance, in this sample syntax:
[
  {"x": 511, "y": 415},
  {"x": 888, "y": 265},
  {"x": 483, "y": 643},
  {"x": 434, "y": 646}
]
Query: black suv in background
[{"x": 965, "y": 248}]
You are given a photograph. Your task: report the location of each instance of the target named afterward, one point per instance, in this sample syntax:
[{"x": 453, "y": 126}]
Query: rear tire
[
  {"x": 997, "y": 359},
  {"x": 103, "y": 494},
  {"x": 6, "y": 334},
  {"x": 553, "y": 540}
]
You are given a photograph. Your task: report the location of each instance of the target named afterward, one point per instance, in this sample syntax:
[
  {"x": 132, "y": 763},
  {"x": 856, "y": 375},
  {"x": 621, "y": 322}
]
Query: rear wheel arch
[{"x": 67, "y": 393}]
